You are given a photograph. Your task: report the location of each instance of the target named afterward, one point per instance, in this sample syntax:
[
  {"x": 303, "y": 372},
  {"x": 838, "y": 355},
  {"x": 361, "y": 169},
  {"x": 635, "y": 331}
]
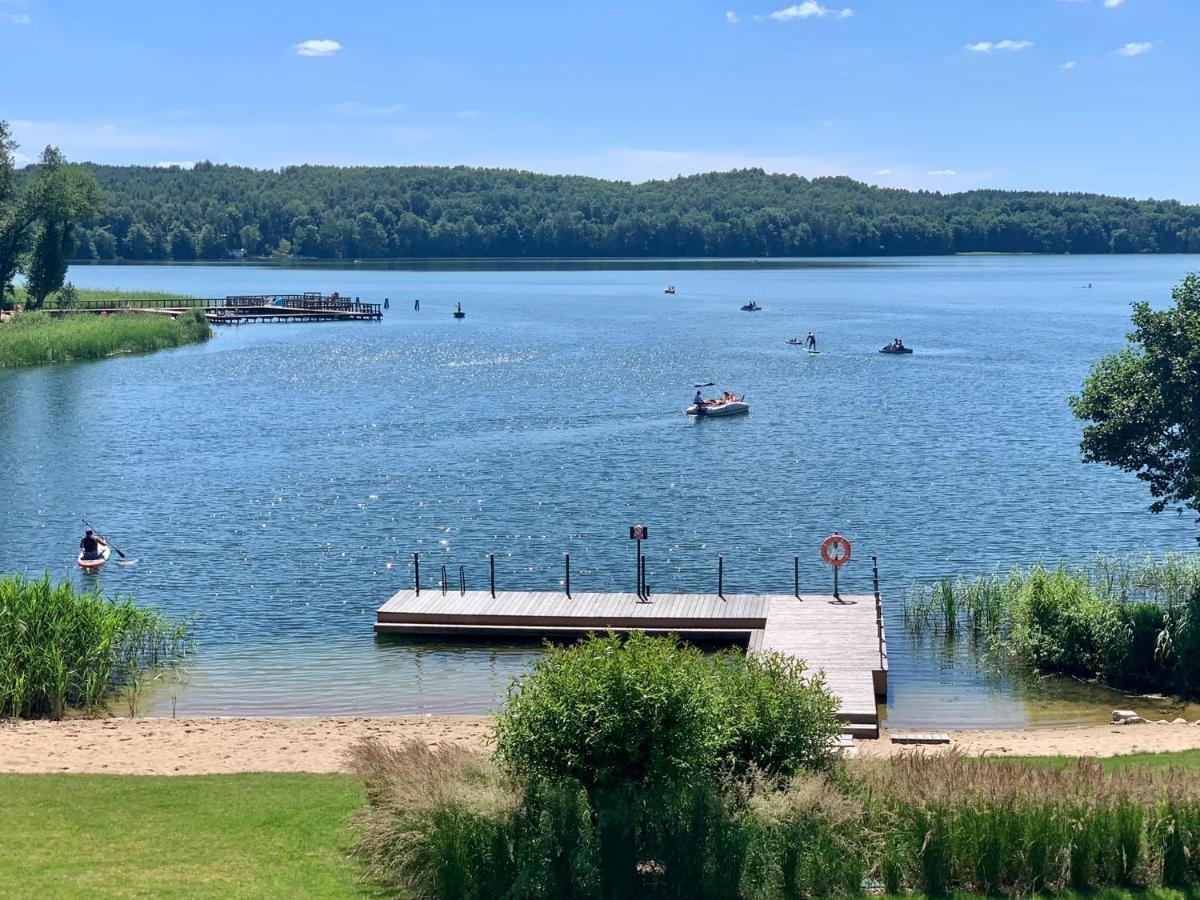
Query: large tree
[
  {"x": 42, "y": 211},
  {"x": 61, "y": 196},
  {"x": 1143, "y": 404}
]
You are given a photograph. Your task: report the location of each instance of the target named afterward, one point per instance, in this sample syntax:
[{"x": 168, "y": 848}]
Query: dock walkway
[{"x": 844, "y": 638}]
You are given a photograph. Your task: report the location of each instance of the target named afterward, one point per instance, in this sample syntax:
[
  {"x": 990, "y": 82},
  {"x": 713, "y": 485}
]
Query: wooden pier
[
  {"x": 242, "y": 310},
  {"x": 842, "y": 637}
]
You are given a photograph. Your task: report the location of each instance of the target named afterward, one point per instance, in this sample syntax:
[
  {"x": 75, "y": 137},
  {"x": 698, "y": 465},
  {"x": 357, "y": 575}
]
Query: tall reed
[
  {"x": 32, "y": 339},
  {"x": 63, "y": 650}
]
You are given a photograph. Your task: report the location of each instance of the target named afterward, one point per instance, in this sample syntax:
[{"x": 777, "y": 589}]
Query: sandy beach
[{"x": 152, "y": 746}]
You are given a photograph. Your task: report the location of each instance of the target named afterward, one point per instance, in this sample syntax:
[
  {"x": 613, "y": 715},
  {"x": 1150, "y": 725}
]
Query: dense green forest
[{"x": 216, "y": 211}]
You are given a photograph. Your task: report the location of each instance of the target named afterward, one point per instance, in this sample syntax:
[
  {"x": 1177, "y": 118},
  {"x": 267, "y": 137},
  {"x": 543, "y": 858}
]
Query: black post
[
  {"x": 462, "y": 581},
  {"x": 492, "y": 573},
  {"x": 796, "y": 571},
  {"x": 443, "y": 579},
  {"x": 721, "y": 576},
  {"x": 642, "y": 575},
  {"x": 417, "y": 572},
  {"x": 875, "y": 575},
  {"x": 637, "y": 565},
  {"x": 568, "y": 575},
  {"x": 836, "y": 596}
]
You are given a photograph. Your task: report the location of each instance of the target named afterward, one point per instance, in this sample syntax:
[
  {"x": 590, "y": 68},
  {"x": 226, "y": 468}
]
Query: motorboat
[
  {"x": 458, "y": 312},
  {"x": 751, "y": 307},
  {"x": 796, "y": 342},
  {"x": 714, "y": 408},
  {"x": 896, "y": 351},
  {"x": 669, "y": 289}
]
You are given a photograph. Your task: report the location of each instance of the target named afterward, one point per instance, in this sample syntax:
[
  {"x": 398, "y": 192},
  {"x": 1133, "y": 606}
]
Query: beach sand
[{"x": 154, "y": 746}]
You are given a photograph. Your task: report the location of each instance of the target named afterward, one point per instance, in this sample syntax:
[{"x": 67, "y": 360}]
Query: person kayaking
[
  {"x": 91, "y": 544},
  {"x": 810, "y": 342}
]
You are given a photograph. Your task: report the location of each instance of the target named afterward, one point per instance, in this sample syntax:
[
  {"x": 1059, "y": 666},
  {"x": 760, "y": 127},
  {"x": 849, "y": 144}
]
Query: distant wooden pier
[
  {"x": 844, "y": 637},
  {"x": 243, "y": 309}
]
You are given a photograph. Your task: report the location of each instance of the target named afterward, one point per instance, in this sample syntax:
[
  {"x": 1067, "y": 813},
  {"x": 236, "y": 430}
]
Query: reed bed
[
  {"x": 62, "y": 650},
  {"x": 1132, "y": 622},
  {"x": 32, "y": 339},
  {"x": 447, "y": 823}
]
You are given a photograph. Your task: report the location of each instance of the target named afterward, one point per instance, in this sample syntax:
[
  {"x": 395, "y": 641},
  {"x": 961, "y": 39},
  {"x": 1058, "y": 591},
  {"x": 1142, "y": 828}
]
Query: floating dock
[{"x": 843, "y": 637}]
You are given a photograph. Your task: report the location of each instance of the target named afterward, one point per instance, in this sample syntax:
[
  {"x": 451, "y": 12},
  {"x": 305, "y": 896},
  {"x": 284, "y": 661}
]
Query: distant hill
[{"x": 215, "y": 211}]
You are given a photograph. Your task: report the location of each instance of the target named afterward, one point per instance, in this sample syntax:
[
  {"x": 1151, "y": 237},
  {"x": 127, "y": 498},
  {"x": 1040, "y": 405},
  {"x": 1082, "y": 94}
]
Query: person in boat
[
  {"x": 698, "y": 400},
  {"x": 810, "y": 342},
  {"x": 91, "y": 545}
]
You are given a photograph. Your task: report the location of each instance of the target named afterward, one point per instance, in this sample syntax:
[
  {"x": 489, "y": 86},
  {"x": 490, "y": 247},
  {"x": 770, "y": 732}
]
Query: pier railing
[{"x": 308, "y": 301}]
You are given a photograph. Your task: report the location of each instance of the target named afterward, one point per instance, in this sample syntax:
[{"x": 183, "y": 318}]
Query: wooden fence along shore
[
  {"x": 239, "y": 310},
  {"x": 841, "y": 635}
]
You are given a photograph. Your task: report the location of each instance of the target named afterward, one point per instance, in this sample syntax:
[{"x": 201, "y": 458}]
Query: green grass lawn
[{"x": 263, "y": 835}]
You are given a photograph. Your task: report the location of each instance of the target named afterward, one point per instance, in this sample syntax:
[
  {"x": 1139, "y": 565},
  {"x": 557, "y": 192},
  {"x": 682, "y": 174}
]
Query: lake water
[{"x": 276, "y": 480}]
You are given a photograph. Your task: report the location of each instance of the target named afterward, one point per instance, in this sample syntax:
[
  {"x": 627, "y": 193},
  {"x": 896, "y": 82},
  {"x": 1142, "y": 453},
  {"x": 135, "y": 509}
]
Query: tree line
[{"x": 213, "y": 212}]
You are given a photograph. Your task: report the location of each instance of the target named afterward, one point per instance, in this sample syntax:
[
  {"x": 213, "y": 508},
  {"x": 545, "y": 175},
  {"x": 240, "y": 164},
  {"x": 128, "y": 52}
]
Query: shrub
[{"x": 641, "y": 711}]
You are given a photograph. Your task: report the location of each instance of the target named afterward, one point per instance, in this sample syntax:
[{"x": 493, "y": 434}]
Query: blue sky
[{"x": 1095, "y": 95}]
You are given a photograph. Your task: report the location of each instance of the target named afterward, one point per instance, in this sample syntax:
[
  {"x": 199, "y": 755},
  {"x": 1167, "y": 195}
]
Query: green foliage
[
  {"x": 403, "y": 212},
  {"x": 612, "y": 712},
  {"x": 33, "y": 339},
  {"x": 62, "y": 650},
  {"x": 1131, "y": 623},
  {"x": 1143, "y": 404}
]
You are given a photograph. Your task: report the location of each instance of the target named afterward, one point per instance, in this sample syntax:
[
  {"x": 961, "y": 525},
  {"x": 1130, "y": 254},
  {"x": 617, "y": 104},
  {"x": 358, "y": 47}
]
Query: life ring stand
[{"x": 836, "y": 550}]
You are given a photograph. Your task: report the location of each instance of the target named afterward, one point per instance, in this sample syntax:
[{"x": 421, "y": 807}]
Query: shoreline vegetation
[
  {"x": 41, "y": 338},
  {"x": 1130, "y": 623},
  {"x": 64, "y": 651},
  {"x": 213, "y": 212}
]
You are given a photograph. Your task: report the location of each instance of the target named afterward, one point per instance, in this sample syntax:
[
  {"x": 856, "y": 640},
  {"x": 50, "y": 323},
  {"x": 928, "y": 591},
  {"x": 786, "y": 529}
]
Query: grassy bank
[
  {"x": 63, "y": 650},
  {"x": 264, "y": 835},
  {"x": 32, "y": 339},
  {"x": 1133, "y": 624}
]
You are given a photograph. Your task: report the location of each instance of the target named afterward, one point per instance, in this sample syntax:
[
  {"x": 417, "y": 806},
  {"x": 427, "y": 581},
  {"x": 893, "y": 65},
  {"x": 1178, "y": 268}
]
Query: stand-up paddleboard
[{"x": 96, "y": 563}]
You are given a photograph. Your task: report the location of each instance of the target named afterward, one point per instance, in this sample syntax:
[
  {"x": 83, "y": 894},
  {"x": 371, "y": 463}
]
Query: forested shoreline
[{"x": 217, "y": 211}]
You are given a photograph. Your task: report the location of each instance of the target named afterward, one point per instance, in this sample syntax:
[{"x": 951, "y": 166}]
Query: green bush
[
  {"x": 32, "y": 339},
  {"x": 642, "y": 711}
]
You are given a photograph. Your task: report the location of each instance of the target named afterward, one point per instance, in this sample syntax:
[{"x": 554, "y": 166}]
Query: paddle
[{"x": 106, "y": 540}]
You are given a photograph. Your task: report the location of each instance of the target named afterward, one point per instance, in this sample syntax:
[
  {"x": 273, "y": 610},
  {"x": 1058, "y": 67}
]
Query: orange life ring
[{"x": 834, "y": 545}]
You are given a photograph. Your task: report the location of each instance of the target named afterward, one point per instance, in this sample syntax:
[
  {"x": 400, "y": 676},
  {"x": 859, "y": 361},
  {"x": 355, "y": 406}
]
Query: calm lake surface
[{"x": 276, "y": 480}]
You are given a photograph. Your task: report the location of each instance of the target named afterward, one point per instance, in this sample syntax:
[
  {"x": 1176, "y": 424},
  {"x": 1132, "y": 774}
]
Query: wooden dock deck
[
  {"x": 844, "y": 638},
  {"x": 241, "y": 310}
]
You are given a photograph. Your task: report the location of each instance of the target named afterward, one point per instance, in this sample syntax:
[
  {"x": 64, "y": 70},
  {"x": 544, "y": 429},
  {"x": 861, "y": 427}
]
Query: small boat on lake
[
  {"x": 751, "y": 307},
  {"x": 669, "y": 289},
  {"x": 726, "y": 405},
  {"x": 796, "y": 342},
  {"x": 896, "y": 349},
  {"x": 458, "y": 312}
]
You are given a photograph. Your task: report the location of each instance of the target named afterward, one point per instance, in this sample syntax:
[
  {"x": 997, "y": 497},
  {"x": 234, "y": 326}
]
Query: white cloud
[
  {"x": 942, "y": 173},
  {"x": 17, "y": 18},
  {"x": 167, "y": 164},
  {"x": 989, "y": 46},
  {"x": 320, "y": 47},
  {"x": 358, "y": 108},
  {"x": 883, "y": 172},
  {"x": 84, "y": 140},
  {"x": 732, "y": 18},
  {"x": 1112, "y": 4},
  {"x": 808, "y": 9},
  {"x": 1069, "y": 64},
  {"x": 1135, "y": 48}
]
